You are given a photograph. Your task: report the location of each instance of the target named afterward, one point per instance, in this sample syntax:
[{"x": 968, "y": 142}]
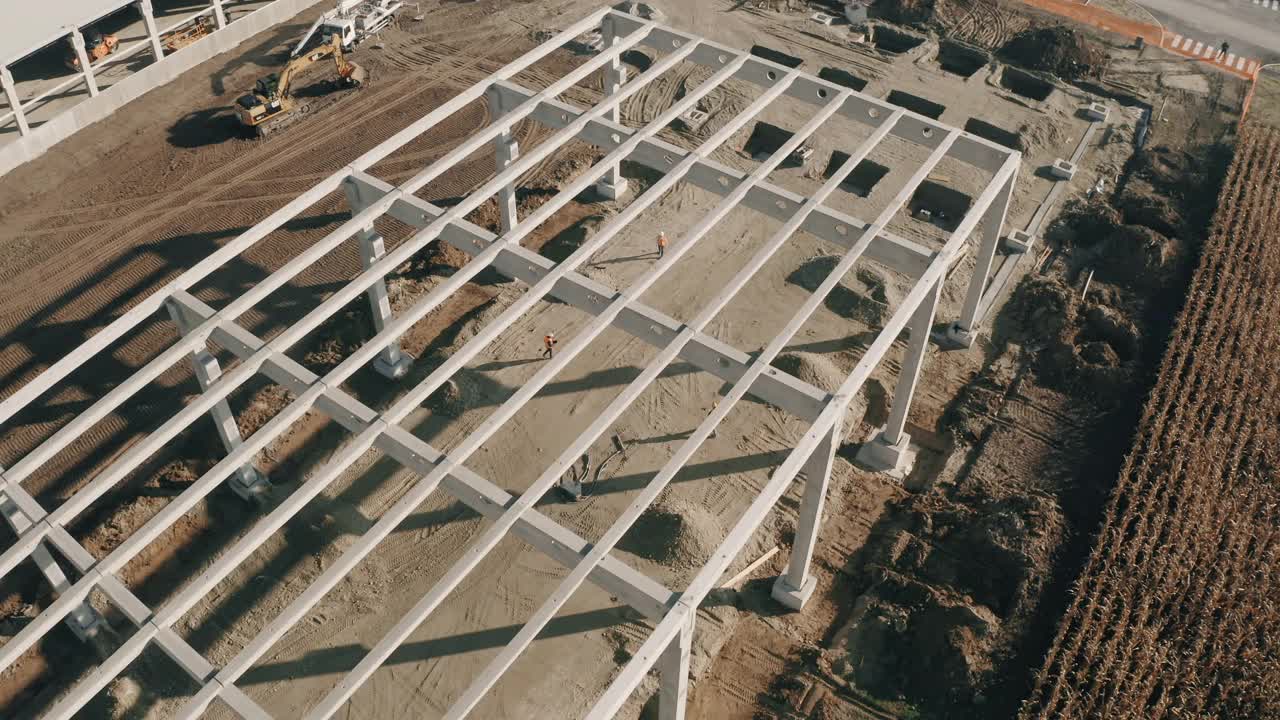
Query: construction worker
[
  {"x": 662, "y": 243},
  {"x": 548, "y": 342},
  {"x": 1223, "y": 52}
]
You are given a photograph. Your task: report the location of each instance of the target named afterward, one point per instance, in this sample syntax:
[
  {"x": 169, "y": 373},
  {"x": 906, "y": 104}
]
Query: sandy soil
[{"x": 164, "y": 188}]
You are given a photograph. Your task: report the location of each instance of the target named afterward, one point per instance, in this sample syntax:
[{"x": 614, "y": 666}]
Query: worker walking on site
[
  {"x": 1223, "y": 52},
  {"x": 548, "y": 343},
  {"x": 662, "y": 244}
]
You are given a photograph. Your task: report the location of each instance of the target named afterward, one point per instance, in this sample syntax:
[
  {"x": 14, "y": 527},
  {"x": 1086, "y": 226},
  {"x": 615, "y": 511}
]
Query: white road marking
[
  {"x": 1209, "y": 51},
  {"x": 1177, "y": 40},
  {"x": 1231, "y": 58},
  {"x": 1186, "y": 45},
  {"x": 1199, "y": 47},
  {"x": 1240, "y": 64}
]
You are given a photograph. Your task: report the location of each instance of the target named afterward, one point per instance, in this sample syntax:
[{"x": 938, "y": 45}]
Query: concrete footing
[
  {"x": 894, "y": 460},
  {"x": 1019, "y": 241},
  {"x": 790, "y": 597},
  {"x": 85, "y": 625},
  {"x": 249, "y": 483},
  {"x": 393, "y": 368},
  {"x": 956, "y": 337},
  {"x": 612, "y": 188},
  {"x": 1062, "y": 169}
]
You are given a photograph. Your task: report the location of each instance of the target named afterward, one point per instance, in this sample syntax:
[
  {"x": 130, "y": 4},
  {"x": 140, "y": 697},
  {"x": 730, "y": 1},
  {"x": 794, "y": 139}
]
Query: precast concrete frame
[{"x": 671, "y": 612}]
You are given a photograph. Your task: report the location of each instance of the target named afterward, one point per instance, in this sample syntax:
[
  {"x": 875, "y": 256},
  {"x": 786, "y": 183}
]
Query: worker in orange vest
[
  {"x": 548, "y": 342},
  {"x": 662, "y": 243}
]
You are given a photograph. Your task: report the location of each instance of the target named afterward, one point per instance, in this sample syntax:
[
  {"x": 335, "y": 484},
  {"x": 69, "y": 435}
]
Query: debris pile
[{"x": 1060, "y": 50}]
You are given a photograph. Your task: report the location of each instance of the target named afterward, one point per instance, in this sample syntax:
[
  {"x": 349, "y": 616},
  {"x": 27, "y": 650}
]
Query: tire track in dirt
[{"x": 302, "y": 142}]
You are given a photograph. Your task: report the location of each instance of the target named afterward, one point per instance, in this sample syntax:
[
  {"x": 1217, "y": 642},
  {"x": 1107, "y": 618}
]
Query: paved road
[{"x": 1252, "y": 29}]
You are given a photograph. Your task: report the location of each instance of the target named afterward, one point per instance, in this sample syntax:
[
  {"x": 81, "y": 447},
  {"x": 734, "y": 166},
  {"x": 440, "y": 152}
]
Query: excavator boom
[{"x": 271, "y": 103}]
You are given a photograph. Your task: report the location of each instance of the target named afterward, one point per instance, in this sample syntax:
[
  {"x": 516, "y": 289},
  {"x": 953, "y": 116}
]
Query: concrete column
[
  {"x": 612, "y": 185},
  {"x": 964, "y": 332},
  {"x": 673, "y": 674},
  {"x": 77, "y": 41},
  {"x": 391, "y": 362},
  {"x": 246, "y": 482},
  {"x": 889, "y": 449},
  {"x": 149, "y": 19},
  {"x": 11, "y": 93},
  {"x": 83, "y": 620},
  {"x": 507, "y": 150},
  {"x": 219, "y": 17},
  {"x": 795, "y": 585}
]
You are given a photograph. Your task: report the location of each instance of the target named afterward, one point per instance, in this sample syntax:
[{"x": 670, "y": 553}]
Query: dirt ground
[{"x": 109, "y": 216}]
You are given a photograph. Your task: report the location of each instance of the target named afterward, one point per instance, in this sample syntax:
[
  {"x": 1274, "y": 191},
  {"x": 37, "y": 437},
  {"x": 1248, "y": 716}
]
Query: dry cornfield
[{"x": 1177, "y": 612}]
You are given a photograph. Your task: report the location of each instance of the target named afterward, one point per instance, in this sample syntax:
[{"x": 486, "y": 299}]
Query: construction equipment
[
  {"x": 271, "y": 105},
  {"x": 353, "y": 21},
  {"x": 188, "y": 33},
  {"x": 96, "y": 47}
]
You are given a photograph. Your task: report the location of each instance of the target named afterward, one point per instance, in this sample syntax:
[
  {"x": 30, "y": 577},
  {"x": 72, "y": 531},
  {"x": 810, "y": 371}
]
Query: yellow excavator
[{"x": 271, "y": 106}]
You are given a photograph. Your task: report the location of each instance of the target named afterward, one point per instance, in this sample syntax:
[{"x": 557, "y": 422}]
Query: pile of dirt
[
  {"x": 905, "y": 12},
  {"x": 676, "y": 534},
  {"x": 1060, "y": 50},
  {"x": 822, "y": 372},
  {"x": 867, "y": 297},
  {"x": 457, "y": 395},
  {"x": 1136, "y": 255},
  {"x": 948, "y": 595},
  {"x": 1090, "y": 346}
]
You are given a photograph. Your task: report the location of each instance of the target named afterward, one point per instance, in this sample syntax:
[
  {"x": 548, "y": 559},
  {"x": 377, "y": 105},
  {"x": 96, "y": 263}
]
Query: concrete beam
[
  {"x": 149, "y": 20},
  {"x": 704, "y": 352},
  {"x": 914, "y": 128},
  {"x": 776, "y": 202},
  {"x": 219, "y": 15},
  {"x": 86, "y": 68},
  {"x": 637, "y": 590},
  {"x": 707, "y": 578},
  {"x": 965, "y": 330},
  {"x": 83, "y": 620},
  {"x": 15, "y": 104},
  {"x": 143, "y": 310}
]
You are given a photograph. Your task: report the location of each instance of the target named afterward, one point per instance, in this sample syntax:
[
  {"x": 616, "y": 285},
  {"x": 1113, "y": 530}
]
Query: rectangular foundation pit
[
  {"x": 894, "y": 41},
  {"x": 916, "y": 104},
  {"x": 938, "y": 204},
  {"x": 864, "y": 177},
  {"x": 766, "y": 139},
  {"x": 961, "y": 59},
  {"x": 986, "y": 130},
  {"x": 840, "y": 77},
  {"x": 1023, "y": 83},
  {"x": 777, "y": 56}
]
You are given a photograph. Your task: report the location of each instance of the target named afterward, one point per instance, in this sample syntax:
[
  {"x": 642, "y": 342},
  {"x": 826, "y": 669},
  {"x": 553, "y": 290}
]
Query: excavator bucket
[{"x": 357, "y": 76}]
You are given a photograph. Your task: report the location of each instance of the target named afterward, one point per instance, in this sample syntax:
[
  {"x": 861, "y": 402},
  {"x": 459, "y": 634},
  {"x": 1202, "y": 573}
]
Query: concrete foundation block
[
  {"x": 956, "y": 338},
  {"x": 393, "y": 370},
  {"x": 822, "y": 18},
  {"x": 793, "y": 598},
  {"x": 612, "y": 190},
  {"x": 1096, "y": 111},
  {"x": 894, "y": 460},
  {"x": 1019, "y": 242},
  {"x": 1062, "y": 169},
  {"x": 85, "y": 622},
  {"x": 248, "y": 483}
]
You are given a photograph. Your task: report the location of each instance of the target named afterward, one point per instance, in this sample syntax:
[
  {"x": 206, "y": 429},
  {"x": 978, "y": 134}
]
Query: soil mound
[
  {"x": 866, "y": 295},
  {"x": 1083, "y": 223},
  {"x": 1044, "y": 306},
  {"x": 1060, "y": 50},
  {"x": 1138, "y": 255},
  {"x": 905, "y": 12},
  {"x": 457, "y": 395},
  {"x": 678, "y": 534},
  {"x": 821, "y": 372}
]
